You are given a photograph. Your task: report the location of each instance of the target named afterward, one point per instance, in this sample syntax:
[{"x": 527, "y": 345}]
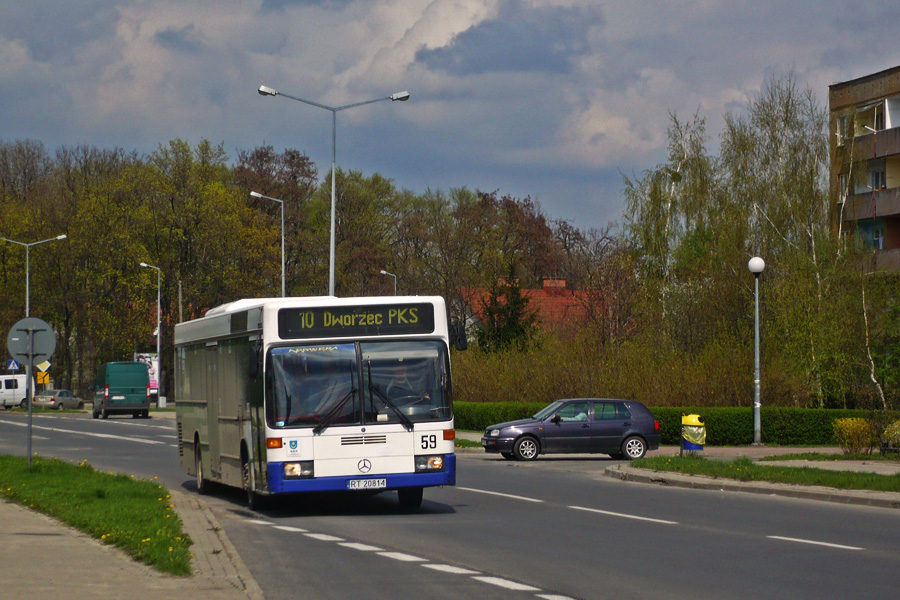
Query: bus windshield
[{"x": 319, "y": 386}]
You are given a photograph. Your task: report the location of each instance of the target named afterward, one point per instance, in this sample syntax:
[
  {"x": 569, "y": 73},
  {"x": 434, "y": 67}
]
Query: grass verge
[
  {"x": 133, "y": 514},
  {"x": 744, "y": 469}
]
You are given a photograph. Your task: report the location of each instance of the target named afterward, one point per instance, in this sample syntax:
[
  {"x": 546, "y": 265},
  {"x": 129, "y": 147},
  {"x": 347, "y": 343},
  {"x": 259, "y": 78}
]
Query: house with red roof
[{"x": 557, "y": 308}]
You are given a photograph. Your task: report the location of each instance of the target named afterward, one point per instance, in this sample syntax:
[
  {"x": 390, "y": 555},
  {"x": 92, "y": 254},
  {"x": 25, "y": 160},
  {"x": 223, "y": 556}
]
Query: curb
[
  {"x": 701, "y": 482},
  {"x": 215, "y": 559}
]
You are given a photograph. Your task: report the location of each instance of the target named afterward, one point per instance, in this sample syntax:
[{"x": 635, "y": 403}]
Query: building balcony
[
  {"x": 872, "y": 205},
  {"x": 887, "y": 260}
]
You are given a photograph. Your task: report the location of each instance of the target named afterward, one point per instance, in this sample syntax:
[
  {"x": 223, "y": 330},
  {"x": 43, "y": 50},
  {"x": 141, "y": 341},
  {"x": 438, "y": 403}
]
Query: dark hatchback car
[{"x": 620, "y": 428}]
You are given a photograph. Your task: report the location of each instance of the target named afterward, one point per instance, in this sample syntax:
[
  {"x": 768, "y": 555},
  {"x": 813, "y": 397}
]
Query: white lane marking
[
  {"x": 401, "y": 556},
  {"x": 450, "y": 569},
  {"x": 87, "y": 433},
  {"x": 506, "y": 583},
  {"x": 289, "y": 528},
  {"x": 363, "y": 547},
  {"x": 260, "y": 522},
  {"x": 525, "y": 498},
  {"x": 554, "y": 597},
  {"x": 802, "y": 541},
  {"x": 324, "y": 537},
  {"x": 623, "y": 515}
]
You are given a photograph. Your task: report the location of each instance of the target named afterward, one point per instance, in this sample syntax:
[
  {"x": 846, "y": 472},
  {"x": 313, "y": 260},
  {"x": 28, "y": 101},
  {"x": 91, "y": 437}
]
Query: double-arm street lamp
[
  {"x": 158, "y": 324},
  {"x": 383, "y": 272},
  {"x": 399, "y": 96},
  {"x": 281, "y": 202},
  {"x": 28, "y": 266},
  {"x": 756, "y": 266}
]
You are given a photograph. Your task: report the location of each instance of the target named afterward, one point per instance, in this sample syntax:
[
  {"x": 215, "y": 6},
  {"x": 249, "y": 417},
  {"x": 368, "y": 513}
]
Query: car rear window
[{"x": 608, "y": 411}]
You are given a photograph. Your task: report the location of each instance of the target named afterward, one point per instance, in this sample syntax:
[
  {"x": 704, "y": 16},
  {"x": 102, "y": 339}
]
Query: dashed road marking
[
  {"x": 514, "y": 497},
  {"x": 623, "y": 515},
  {"x": 813, "y": 542}
]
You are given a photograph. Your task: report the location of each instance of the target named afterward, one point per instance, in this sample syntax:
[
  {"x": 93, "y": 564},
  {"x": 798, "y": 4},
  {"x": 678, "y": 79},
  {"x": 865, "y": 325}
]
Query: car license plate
[
  {"x": 366, "y": 484},
  {"x": 118, "y": 397},
  {"x": 484, "y": 442}
]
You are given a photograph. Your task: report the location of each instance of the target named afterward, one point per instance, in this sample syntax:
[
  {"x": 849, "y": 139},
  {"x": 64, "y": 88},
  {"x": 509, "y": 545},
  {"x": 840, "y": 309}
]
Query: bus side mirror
[{"x": 458, "y": 337}]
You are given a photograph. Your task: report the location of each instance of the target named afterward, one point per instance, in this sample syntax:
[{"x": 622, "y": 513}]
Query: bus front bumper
[{"x": 278, "y": 484}]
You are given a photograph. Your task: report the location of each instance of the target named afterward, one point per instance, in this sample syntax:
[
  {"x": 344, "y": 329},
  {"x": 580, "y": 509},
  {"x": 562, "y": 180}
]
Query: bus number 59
[{"x": 429, "y": 441}]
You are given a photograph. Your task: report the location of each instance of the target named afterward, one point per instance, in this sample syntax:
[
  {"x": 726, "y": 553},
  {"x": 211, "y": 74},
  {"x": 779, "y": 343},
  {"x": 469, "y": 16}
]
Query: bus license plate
[{"x": 366, "y": 484}]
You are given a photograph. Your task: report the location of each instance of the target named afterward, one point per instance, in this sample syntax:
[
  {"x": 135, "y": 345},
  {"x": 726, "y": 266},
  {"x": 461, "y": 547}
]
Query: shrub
[
  {"x": 891, "y": 435},
  {"x": 854, "y": 435}
]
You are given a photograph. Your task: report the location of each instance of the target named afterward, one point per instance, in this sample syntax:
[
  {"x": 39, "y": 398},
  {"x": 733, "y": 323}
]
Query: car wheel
[
  {"x": 81, "y": 406},
  {"x": 23, "y": 403},
  {"x": 202, "y": 483},
  {"x": 410, "y": 497},
  {"x": 634, "y": 447},
  {"x": 95, "y": 413},
  {"x": 526, "y": 448},
  {"x": 104, "y": 413},
  {"x": 60, "y": 406},
  {"x": 508, "y": 455}
]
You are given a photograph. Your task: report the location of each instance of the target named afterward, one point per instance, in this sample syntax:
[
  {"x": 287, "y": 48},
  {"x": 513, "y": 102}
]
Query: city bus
[{"x": 291, "y": 395}]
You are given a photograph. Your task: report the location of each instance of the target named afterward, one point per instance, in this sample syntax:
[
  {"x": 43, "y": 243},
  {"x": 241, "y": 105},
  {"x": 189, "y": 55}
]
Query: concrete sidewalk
[{"x": 43, "y": 559}]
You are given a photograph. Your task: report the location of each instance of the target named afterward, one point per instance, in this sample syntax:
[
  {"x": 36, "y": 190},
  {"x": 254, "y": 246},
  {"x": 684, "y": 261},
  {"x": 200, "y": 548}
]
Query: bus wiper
[
  {"x": 387, "y": 402},
  {"x": 332, "y": 414}
]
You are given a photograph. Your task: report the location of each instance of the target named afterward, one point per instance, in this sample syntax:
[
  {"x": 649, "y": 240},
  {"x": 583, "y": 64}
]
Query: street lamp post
[
  {"x": 756, "y": 266},
  {"x": 383, "y": 272},
  {"x": 158, "y": 326},
  {"x": 281, "y": 202},
  {"x": 28, "y": 266},
  {"x": 399, "y": 96}
]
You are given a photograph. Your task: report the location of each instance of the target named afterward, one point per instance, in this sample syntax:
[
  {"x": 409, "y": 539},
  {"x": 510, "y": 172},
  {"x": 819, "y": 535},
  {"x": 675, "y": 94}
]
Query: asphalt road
[{"x": 554, "y": 528}]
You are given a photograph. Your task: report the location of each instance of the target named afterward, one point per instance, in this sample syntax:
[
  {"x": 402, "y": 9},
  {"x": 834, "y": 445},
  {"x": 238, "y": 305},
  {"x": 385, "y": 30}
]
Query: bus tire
[
  {"x": 202, "y": 482},
  {"x": 410, "y": 497},
  {"x": 248, "y": 478}
]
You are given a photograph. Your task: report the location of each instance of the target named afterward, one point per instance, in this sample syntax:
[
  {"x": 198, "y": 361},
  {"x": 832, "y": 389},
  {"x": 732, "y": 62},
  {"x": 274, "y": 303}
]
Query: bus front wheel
[{"x": 248, "y": 475}]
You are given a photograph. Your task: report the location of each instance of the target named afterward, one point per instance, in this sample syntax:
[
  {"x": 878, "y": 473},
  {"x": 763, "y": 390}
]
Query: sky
[{"x": 555, "y": 100}]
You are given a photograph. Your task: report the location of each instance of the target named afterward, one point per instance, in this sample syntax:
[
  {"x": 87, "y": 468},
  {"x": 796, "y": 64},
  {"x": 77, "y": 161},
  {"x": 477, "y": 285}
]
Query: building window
[
  {"x": 879, "y": 119},
  {"x": 842, "y": 188},
  {"x": 878, "y": 238},
  {"x": 841, "y": 130},
  {"x": 877, "y": 180}
]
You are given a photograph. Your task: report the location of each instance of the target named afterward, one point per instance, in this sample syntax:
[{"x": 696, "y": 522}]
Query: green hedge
[{"x": 724, "y": 426}]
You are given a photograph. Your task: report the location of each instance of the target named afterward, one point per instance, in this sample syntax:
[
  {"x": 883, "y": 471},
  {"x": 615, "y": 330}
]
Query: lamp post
[
  {"x": 158, "y": 325},
  {"x": 28, "y": 266},
  {"x": 756, "y": 266},
  {"x": 399, "y": 96},
  {"x": 383, "y": 272},
  {"x": 281, "y": 202}
]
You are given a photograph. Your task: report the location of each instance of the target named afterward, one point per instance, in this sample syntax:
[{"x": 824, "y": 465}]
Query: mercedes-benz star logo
[{"x": 364, "y": 466}]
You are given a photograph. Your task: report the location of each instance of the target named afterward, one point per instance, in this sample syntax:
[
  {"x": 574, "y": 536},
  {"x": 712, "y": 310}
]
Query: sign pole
[{"x": 29, "y": 393}]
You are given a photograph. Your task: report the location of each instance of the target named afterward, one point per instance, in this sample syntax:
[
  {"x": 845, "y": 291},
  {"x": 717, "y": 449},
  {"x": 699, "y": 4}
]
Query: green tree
[{"x": 508, "y": 320}]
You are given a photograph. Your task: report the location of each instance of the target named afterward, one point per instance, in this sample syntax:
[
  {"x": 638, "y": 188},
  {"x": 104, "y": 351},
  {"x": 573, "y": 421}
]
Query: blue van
[{"x": 122, "y": 388}]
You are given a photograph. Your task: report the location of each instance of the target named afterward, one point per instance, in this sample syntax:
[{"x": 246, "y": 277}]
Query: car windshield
[
  {"x": 547, "y": 410},
  {"x": 324, "y": 385}
]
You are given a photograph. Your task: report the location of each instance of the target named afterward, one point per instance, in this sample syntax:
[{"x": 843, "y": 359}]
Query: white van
[{"x": 12, "y": 390}]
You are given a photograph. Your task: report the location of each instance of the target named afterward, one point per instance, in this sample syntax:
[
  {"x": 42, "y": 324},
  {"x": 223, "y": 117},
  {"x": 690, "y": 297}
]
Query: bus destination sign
[{"x": 344, "y": 321}]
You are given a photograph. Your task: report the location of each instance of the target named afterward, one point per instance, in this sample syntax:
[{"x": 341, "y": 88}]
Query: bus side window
[{"x": 255, "y": 360}]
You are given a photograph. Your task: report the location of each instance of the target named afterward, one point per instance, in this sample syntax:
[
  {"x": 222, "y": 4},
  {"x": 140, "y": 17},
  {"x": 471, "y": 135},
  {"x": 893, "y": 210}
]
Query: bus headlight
[
  {"x": 429, "y": 463},
  {"x": 299, "y": 470}
]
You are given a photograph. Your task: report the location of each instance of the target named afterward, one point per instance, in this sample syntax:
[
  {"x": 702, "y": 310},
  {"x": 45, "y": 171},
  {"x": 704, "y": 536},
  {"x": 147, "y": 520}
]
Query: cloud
[{"x": 520, "y": 38}]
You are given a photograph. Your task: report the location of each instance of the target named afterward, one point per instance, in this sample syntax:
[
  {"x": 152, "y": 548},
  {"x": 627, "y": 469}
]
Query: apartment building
[{"x": 865, "y": 169}]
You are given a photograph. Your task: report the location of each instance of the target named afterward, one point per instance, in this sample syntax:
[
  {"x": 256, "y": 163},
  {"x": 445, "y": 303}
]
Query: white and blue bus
[{"x": 288, "y": 395}]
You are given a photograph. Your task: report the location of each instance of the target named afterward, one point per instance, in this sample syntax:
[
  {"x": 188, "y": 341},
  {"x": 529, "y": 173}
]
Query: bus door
[{"x": 212, "y": 409}]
